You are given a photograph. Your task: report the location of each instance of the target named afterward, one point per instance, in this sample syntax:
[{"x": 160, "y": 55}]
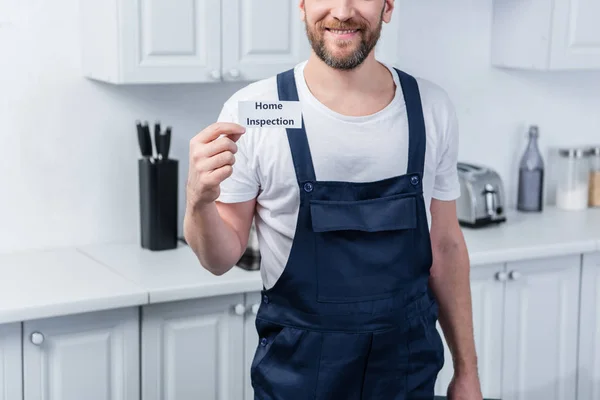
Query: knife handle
[
  {"x": 157, "y": 142},
  {"x": 165, "y": 143},
  {"x": 143, "y": 140}
]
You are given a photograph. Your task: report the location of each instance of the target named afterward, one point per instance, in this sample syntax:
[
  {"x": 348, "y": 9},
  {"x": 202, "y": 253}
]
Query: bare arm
[
  {"x": 450, "y": 281},
  {"x": 218, "y": 233}
]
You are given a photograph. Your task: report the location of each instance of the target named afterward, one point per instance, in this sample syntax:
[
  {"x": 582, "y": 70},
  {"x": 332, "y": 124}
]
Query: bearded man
[{"x": 361, "y": 251}]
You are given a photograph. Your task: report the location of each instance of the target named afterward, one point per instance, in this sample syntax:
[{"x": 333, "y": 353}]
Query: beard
[{"x": 368, "y": 39}]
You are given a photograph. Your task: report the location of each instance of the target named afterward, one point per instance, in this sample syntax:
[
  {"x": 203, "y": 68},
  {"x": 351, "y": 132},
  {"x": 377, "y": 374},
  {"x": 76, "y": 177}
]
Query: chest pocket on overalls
[{"x": 364, "y": 249}]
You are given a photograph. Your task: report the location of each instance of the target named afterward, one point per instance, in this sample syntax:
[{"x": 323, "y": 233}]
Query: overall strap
[
  {"x": 286, "y": 87},
  {"x": 416, "y": 123}
]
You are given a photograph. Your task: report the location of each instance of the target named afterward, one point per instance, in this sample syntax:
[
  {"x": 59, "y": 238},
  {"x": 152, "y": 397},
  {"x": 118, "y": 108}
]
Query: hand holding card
[{"x": 211, "y": 161}]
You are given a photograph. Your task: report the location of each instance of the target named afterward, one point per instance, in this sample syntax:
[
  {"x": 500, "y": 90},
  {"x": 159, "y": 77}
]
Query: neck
[{"x": 367, "y": 77}]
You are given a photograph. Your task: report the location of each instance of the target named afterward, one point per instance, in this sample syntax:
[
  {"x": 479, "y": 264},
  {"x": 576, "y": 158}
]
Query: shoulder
[
  {"x": 435, "y": 99},
  {"x": 438, "y": 109}
]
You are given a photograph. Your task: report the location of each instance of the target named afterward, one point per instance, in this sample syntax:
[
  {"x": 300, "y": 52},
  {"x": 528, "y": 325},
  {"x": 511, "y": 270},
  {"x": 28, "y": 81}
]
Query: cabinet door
[
  {"x": 250, "y": 340},
  {"x": 576, "y": 35},
  {"x": 11, "y": 382},
  {"x": 91, "y": 356},
  {"x": 262, "y": 38},
  {"x": 193, "y": 349},
  {"x": 165, "y": 41},
  {"x": 540, "y": 329},
  {"x": 589, "y": 329},
  {"x": 487, "y": 295}
]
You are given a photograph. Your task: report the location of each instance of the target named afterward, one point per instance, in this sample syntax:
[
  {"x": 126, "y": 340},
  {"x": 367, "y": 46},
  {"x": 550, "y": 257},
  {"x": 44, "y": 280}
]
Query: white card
[{"x": 270, "y": 114}]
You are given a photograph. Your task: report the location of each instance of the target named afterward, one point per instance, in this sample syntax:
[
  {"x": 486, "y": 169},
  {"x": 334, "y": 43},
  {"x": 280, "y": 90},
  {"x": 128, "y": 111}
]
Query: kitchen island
[{"x": 158, "y": 325}]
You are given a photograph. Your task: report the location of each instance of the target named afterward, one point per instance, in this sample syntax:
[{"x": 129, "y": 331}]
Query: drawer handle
[
  {"x": 37, "y": 338},
  {"x": 239, "y": 309}
]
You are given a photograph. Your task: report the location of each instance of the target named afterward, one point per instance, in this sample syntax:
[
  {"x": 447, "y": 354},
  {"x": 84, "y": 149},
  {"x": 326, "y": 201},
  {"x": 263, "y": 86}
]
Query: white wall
[
  {"x": 448, "y": 42},
  {"x": 69, "y": 172},
  {"x": 69, "y": 145}
]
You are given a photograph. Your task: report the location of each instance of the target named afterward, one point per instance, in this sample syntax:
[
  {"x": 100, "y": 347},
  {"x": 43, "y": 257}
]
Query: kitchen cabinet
[
  {"x": 540, "y": 329},
  {"x": 525, "y": 316},
  {"x": 589, "y": 329},
  {"x": 261, "y": 39},
  {"x": 546, "y": 34},
  {"x": 198, "y": 41},
  {"x": 190, "y": 41},
  {"x": 487, "y": 297},
  {"x": 93, "y": 356},
  {"x": 194, "y": 346},
  {"x": 250, "y": 340},
  {"x": 11, "y": 382}
]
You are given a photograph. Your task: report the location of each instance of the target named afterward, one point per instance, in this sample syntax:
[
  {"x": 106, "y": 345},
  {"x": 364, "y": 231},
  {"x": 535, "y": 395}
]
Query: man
[{"x": 355, "y": 216}]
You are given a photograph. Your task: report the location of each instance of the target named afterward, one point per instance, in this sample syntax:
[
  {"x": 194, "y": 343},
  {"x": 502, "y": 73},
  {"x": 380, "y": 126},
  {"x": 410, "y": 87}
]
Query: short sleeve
[
  {"x": 243, "y": 184},
  {"x": 446, "y": 186}
]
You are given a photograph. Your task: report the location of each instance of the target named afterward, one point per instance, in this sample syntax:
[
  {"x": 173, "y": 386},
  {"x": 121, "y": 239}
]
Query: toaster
[{"x": 482, "y": 199}]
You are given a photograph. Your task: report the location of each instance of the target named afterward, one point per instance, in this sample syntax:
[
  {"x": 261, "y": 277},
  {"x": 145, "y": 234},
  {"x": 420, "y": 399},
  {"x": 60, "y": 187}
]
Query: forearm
[
  {"x": 450, "y": 281},
  {"x": 215, "y": 243}
]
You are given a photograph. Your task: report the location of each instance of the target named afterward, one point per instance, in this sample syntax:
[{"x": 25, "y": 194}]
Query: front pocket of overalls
[
  {"x": 363, "y": 248},
  {"x": 287, "y": 363}
]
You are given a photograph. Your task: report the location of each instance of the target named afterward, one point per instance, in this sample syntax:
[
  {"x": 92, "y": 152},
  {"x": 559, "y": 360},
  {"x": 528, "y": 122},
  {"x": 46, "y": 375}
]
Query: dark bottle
[{"x": 531, "y": 175}]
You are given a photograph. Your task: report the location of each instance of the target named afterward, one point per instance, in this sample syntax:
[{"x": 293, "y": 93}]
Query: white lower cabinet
[
  {"x": 250, "y": 340},
  {"x": 11, "y": 382},
  {"x": 194, "y": 349},
  {"x": 589, "y": 330},
  {"x": 92, "y": 356},
  {"x": 525, "y": 317},
  {"x": 540, "y": 329},
  {"x": 487, "y": 297}
]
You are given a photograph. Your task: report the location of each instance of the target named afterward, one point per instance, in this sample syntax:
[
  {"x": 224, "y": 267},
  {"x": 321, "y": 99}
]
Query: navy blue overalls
[{"x": 352, "y": 316}]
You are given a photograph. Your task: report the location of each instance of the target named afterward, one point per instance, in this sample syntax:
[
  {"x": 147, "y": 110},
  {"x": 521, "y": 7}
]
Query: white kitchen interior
[{"x": 87, "y": 313}]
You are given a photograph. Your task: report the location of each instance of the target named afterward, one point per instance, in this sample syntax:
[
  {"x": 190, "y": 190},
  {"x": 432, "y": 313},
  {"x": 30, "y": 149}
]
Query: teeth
[{"x": 342, "y": 32}]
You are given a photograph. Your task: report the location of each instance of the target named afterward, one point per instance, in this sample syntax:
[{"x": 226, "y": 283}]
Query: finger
[
  {"x": 218, "y": 146},
  {"x": 216, "y": 162},
  {"x": 232, "y": 130},
  {"x": 219, "y": 175}
]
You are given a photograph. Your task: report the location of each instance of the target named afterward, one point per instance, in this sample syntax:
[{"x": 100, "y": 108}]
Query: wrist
[
  {"x": 196, "y": 205},
  {"x": 466, "y": 368}
]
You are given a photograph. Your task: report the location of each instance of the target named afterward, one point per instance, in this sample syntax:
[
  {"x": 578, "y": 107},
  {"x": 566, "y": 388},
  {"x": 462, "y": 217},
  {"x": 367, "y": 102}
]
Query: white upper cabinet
[
  {"x": 261, "y": 39},
  {"x": 151, "y": 41},
  {"x": 190, "y": 41},
  {"x": 546, "y": 34}
]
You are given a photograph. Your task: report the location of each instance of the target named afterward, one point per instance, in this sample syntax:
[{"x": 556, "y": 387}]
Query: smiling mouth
[{"x": 342, "y": 31}]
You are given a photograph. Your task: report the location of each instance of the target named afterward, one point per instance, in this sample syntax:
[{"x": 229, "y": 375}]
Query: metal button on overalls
[{"x": 352, "y": 316}]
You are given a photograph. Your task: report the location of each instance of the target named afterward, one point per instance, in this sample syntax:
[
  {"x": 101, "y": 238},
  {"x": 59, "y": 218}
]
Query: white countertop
[
  {"x": 535, "y": 235},
  {"x": 57, "y": 282},
  {"x": 66, "y": 281},
  {"x": 172, "y": 274}
]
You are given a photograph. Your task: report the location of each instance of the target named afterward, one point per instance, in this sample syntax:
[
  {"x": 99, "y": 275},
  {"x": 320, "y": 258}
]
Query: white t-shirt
[{"x": 343, "y": 148}]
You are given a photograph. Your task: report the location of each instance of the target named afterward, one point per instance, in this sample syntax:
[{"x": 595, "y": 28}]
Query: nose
[{"x": 342, "y": 10}]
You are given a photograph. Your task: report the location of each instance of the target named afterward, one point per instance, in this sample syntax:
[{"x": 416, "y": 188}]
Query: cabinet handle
[
  {"x": 215, "y": 74},
  {"x": 255, "y": 309},
  {"x": 234, "y": 73},
  {"x": 239, "y": 309},
  {"x": 501, "y": 276},
  {"x": 37, "y": 338},
  {"x": 514, "y": 275}
]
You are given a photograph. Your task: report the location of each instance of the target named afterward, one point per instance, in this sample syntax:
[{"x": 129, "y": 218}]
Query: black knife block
[{"x": 158, "y": 183}]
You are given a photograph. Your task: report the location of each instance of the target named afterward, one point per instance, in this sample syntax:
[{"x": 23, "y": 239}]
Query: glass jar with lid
[
  {"x": 594, "y": 178},
  {"x": 573, "y": 179}
]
